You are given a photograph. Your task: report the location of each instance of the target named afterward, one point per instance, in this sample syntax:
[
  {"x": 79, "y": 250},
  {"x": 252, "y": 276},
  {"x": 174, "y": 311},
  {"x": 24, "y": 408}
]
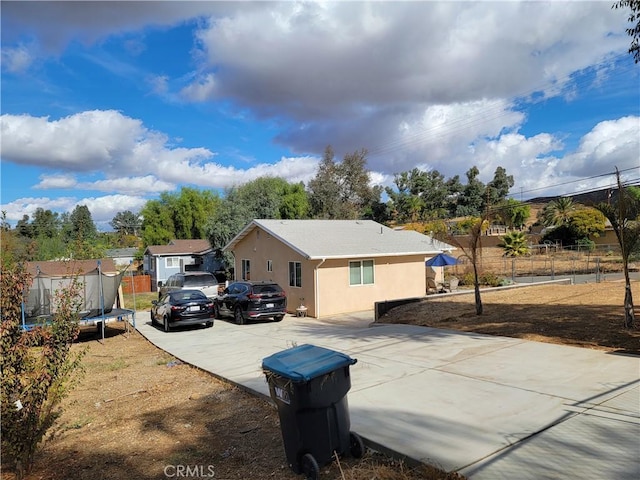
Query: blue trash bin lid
[{"x": 305, "y": 362}]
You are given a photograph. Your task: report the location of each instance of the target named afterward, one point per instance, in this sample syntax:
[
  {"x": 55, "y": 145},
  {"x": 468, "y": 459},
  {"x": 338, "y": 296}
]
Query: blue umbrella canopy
[{"x": 441, "y": 260}]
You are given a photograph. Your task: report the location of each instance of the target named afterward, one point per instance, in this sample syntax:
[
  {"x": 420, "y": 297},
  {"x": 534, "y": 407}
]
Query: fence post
[{"x": 597, "y": 269}]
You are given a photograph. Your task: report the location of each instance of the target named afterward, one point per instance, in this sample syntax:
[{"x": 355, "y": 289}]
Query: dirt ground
[
  {"x": 139, "y": 414},
  {"x": 586, "y": 315}
]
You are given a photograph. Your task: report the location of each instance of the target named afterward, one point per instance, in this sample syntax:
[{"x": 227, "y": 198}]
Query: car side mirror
[{"x": 154, "y": 302}]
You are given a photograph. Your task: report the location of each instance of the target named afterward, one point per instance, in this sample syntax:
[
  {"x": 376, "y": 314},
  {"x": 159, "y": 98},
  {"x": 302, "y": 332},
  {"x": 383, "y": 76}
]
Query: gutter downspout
[{"x": 316, "y": 293}]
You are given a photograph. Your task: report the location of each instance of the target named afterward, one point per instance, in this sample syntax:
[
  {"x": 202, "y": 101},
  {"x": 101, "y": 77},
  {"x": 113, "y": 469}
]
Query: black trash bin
[{"x": 309, "y": 385}]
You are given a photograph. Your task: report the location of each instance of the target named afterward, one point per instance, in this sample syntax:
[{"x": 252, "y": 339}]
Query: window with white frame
[
  {"x": 172, "y": 262},
  {"x": 295, "y": 274},
  {"x": 269, "y": 265},
  {"x": 246, "y": 269},
  {"x": 361, "y": 272}
]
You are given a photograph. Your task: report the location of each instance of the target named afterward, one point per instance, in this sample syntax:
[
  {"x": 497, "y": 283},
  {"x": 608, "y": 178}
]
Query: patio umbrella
[{"x": 441, "y": 260}]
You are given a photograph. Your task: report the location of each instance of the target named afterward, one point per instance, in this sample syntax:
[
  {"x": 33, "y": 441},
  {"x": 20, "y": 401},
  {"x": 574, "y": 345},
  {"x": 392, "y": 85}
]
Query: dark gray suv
[{"x": 249, "y": 300}]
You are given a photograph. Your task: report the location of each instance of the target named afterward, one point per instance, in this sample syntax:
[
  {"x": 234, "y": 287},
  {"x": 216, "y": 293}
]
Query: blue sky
[{"x": 107, "y": 104}]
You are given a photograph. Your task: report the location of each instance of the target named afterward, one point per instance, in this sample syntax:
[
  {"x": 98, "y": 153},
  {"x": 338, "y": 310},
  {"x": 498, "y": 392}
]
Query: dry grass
[{"x": 587, "y": 315}]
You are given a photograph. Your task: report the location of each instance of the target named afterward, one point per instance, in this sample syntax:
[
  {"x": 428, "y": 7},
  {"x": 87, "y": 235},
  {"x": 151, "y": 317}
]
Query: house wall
[
  {"x": 259, "y": 247},
  {"x": 394, "y": 277},
  {"x": 161, "y": 272}
]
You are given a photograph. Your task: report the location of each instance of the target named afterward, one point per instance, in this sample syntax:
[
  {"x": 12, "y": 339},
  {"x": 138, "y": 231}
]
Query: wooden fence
[{"x": 141, "y": 283}]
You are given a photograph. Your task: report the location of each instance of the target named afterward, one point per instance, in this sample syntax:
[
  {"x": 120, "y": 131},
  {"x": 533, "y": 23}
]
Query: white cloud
[
  {"x": 102, "y": 209},
  {"x": 608, "y": 144},
  {"x": 131, "y": 157},
  {"x": 16, "y": 59}
]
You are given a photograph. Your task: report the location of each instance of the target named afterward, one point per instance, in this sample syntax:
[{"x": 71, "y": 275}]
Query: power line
[{"x": 547, "y": 187}]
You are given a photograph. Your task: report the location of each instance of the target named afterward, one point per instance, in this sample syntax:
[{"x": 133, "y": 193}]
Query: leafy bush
[
  {"x": 37, "y": 367},
  {"x": 485, "y": 278}
]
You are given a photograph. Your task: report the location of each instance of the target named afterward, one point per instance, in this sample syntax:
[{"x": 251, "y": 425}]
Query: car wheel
[
  {"x": 278, "y": 318},
  {"x": 166, "y": 323},
  {"x": 237, "y": 314},
  {"x": 153, "y": 319},
  {"x": 310, "y": 467}
]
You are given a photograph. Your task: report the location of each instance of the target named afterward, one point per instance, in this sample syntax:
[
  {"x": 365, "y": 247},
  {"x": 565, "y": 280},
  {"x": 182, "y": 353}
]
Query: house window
[
  {"x": 172, "y": 262},
  {"x": 361, "y": 272},
  {"x": 269, "y": 265},
  {"x": 295, "y": 274},
  {"x": 246, "y": 269}
]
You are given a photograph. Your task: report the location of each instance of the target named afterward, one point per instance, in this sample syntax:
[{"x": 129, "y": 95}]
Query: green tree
[
  {"x": 498, "y": 188},
  {"x": 82, "y": 226},
  {"x": 295, "y": 202},
  {"x": 24, "y": 228},
  {"x": 634, "y": 29},
  {"x": 342, "y": 190},
  {"x": 126, "y": 223},
  {"x": 515, "y": 244},
  {"x": 419, "y": 195},
  {"x": 183, "y": 216},
  {"x": 157, "y": 223},
  {"x": 45, "y": 223},
  {"x": 624, "y": 216},
  {"x": 471, "y": 200},
  {"x": 558, "y": 212},
  {"x": 513, "y": 213},
  {"x": 586, "y": 222},
  {"x": 271, "y": 197},
  {"x": 227, "y": 221}
]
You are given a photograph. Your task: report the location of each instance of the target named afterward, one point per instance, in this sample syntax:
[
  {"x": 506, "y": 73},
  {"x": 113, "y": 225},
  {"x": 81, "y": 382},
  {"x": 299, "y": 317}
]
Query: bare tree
[{"x": 472, "y": 249}]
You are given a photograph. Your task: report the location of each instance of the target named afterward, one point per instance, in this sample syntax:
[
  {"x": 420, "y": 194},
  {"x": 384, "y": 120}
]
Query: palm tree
[
  {"x": 515, "y": 244},
  {"x": 624, "y": 216},
  {"x": 558, "y": 212}
]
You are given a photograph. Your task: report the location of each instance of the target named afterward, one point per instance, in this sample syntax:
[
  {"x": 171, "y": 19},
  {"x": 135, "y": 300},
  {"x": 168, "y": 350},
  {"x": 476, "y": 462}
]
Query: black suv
[{"x": 247, "y": 300}]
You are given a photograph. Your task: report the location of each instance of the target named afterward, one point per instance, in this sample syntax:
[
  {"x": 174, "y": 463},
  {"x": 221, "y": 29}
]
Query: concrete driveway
[{"x": 489, "y": 407}]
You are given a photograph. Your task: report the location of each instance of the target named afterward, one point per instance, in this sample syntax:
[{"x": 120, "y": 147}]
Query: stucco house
[
  {"x": 334, "y": 266},
  {"x": 162, "y": 261}
]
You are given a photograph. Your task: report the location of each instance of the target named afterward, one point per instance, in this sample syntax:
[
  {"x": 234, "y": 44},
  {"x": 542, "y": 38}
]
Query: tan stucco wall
[
  {"x": 260, "y": 247},
  {"x": 394, "y": 277}
]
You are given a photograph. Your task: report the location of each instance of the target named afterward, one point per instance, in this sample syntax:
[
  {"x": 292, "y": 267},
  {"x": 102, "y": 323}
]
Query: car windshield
[
  {"x": 200, "y": 280},
  {"x": 183, "y": 295},
  {"x": 258, "y": 289}
]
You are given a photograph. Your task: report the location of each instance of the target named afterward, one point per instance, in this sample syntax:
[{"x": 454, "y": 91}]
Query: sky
[{"x": 108, "y": 104}]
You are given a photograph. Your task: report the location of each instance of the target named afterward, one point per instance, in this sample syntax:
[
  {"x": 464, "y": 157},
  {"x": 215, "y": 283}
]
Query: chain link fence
[{"x": 546, "y": 261}]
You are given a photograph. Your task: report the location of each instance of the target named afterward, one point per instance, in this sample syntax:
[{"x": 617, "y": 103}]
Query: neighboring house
[
  {"x": 162, "y": 261},
  {"x": 122, "y": 257},
  {"x": 334, "y": 266}
]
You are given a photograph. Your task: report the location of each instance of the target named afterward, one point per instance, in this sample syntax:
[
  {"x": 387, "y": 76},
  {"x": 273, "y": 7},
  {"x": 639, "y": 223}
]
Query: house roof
[
  {"x": 180, "y": 247},
  {"x": 70, "y": 267},
  {"x": 318, "y": 239}
]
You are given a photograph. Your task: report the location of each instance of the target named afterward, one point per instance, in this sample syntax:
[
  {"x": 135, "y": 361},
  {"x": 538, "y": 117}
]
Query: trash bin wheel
[
  {"x": 356, "y": 445},
  {"x": 310, "y": 467}
]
